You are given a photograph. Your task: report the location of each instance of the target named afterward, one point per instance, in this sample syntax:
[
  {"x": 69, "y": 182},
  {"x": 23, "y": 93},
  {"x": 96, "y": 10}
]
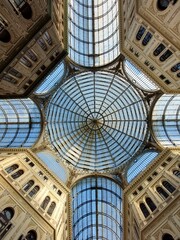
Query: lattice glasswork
[
  {"x": 20, "y": 123},
  {"x": 166, "y": 120},
  {"x": 93, "y": 32},
  {"x": 139, "y": 78},
  {"x": 52, "y": 79},
  {"x": 97, "y": 209},
  {"x": 96, "y": 121},
  {"x": 141, "y": 162}
]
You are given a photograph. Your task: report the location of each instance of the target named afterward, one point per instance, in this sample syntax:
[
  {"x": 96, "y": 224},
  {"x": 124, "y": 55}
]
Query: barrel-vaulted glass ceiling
[
  {"x": 20, "y": 123},
  {"x": 166, "y": 120},
  {"x": 93, "y": 32},
  {"x": 97, "y": 209},
  {"x": 96, "y": 121}
]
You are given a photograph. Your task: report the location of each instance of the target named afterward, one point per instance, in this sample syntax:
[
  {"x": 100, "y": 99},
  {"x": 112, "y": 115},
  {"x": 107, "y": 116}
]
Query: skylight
[
  {"x": 96, "y": 121},
  {"x": 20, "y": 123},
  {"x": 93, "y": 32},
  {"x": 139, "y": 78},
  {"x": 141, "y": 162},
  {"x": 166, "y": 120},
  {"x": 52, "y": 79}
]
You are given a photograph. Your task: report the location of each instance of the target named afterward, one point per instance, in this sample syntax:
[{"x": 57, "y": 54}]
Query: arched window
[
  {"x": 45, "y": 202},
  {"x": 165, "y": 55},
  {"x": 25, "y": 62},
  {"x": 159, "y": 49},
  {"x": 47, "y": 38},
  {"x": 51, "y": 208},
  {"x": 10, "y": 79},
  {"x": 59, "y": 192},
  {"x": 31, "y": 235},
  {"x": 17, "y": 174},
  {"x": 4, "y": 34},
  {"x": 140, "y": 33},
  {"x": 42, "y": 44},
  {"x": 23, "y": 7},
  {"x": 11, "y": 168},
  {"x": 169, "y": 186},
  {"x": 15, "y": 73},
  {"x": 144, "y": 210},
  {"x": 163, "y": 4},
  {"x": 167, "y": 236},
  {"x": 176, "y": 173},
  {"x": 28, "y": 185},
  {"x": 147, "y": 38},
  {"x": 34, "y": 191},
  {"x": 26, "y": 11},
  {"x": 31, "y": 55},
  {"x": 150, "y": 204},
  {"x": 5, "y": 217},
  {"x": 162, "y": 193},
  {"x": 176, "y": 67}
]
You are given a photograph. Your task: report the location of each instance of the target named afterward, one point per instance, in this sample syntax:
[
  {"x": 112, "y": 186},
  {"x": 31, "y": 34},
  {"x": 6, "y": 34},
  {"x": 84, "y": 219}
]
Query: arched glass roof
[
  {"x": 97, "y": 209},
  {"x": 20, "y": 123},
  {"x": 166, "y": 120},
  {"x": 139, "y": 78},
  {"x": 93, "y": 32},
  {"x": 141, "y": 162},
  {"x": 96, "y": 121},
  {"x": 52, "y": 79}
]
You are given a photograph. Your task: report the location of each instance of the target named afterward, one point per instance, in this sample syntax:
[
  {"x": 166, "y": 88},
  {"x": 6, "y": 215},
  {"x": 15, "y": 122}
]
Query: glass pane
[
  {"x": 166, "y": 120},
  {"x": 93, "y": 30},
  {"x": 140, "y": 163},
  {"x": 139, "y": 78},
  {"x": 52, "y": 79},
  {"x": 97, "y": 209},
  {"x": 19, "y": 123}
]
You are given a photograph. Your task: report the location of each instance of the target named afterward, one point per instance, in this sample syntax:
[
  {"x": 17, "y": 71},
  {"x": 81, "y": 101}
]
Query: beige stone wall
[
  {"x": 49, "y": 186},
  {"x": 18, "y": 26},
  {"x": 25, "y": 36},
  {"x": 29, "y": 75},
  {"x": 136, "y": 225},
  {"x": 161, "y": 26},
  {"x": 25, "y": 217},
  {"x": 59, "y": 18}
]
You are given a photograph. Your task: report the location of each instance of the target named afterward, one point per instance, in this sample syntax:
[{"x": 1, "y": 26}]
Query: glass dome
[{"x": 96, "y": 121}]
